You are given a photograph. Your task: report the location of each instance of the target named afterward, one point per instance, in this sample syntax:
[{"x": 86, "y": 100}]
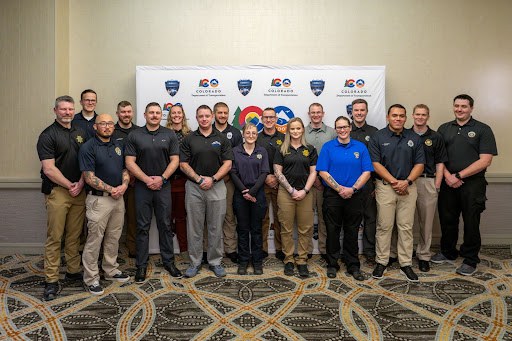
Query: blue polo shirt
[
  {"x": 105, "y": 159},
  {"x": 344, "y": 162},
  {"x": 249, "y": 171}
]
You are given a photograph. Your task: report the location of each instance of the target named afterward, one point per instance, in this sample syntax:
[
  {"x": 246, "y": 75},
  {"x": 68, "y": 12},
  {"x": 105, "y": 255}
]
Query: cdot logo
[
  {"x": 205, "y": 83},
  {"x": 350, "y": 83},
  {"x": 277, "y": 82}
]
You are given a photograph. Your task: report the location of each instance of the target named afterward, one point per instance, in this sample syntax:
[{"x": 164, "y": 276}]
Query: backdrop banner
[{"x": 247, "y": 90}]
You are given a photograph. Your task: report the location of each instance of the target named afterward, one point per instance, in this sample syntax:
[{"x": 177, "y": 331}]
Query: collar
[
  {"x": 152, "y": 132},
  {"x": 469, "y": 123},
  {"x": 339, "y": 144},
  {"x": 81, "y": 116},
  {"x": 215, "y": 132},
  {"x": 322, "y": 128},
  {"x": 276, "y": 132},
  {"x": 363, "y": 127},
  {"x": 228, "y": 127},
  {"x": 101, "y": 143},
  {"x": 60, "y": 126},
  {"x": 392, "y": 133}
]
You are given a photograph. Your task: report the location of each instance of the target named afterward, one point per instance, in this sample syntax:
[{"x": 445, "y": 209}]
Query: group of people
[{"x": 227, "y": 180}]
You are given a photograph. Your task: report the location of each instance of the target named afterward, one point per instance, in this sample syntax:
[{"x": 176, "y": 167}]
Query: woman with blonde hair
[{"x": 294, "y": 167}]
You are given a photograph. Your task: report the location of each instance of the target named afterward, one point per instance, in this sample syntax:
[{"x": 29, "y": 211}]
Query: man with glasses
[
  {"x": 85, "y": 119},
  {"x": 271, "y": 139},
  {"x": 102, "y": 164},
  {"x": 318, "y": 133}
]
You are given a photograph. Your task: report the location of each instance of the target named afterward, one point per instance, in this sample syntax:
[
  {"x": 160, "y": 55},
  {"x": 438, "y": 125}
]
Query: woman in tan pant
[{"x": 294, "y": 167}]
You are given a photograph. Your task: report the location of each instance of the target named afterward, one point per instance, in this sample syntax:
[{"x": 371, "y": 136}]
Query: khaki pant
[
  {"x": 291, "y": 211},
  {"x": 65, "y": 220},
  {"x": 105, "y": 218},
  {"x": 229, "y": 226},
  {"x": 390, "y": 205},
  {"x": 131, "y": 220},
  {"x": 318, "y": 200},
  {"x": 271, "y": 197},
  {"x": 426, "y": 206}
]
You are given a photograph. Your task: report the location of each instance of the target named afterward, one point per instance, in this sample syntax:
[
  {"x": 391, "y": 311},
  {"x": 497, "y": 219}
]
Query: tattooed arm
[
  {"x": 278, "y": 172},
  {"x": 92, "y": 180}
]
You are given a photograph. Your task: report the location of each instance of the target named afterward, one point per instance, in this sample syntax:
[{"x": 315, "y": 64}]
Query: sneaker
[
  {"x": 192, "y": 271},
  {"x": 331, "y": 272},
  {"x": 409, "y": 274},
  {"x": 379, "y": 270},
  {"x": 118, "y": 277},
  {"x": 95, "y": 288},
  {"x": 140, "y": 275},
  {"x": 258, "y": 269},
  {"x": 51, "y": 291},
  {"x": 439, "y": 258},
  {"x": 303, "y": 270},
  {"x": 423, "y": 265},
  {"x": 173, "y": 270},
  {"x": 280, "y": 255},
  {"x": 233, "y": 256},
  {"x": 465, "y": 270},
  {"x": 73, "y": 277},
  {"x": 242, "y": 269},
  {"x": 288, "y": 269},
  {"x": 218, "y": 270}
]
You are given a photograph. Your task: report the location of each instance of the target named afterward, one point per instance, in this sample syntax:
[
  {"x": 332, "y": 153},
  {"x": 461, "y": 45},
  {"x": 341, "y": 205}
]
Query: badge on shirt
[
  {"x": 305, "y": 152},
  {"x": 79, "y": 139},
  {"x": 259, "y": 156},
  {"x": 471, "y": 134},
  {"x": 279, "y": 142},
  {"x": 215, "y": 144},
  {"x": 428, "y": 142},
  {"x": 118, "y": 151},
  {"x": 229, "y": 135},
  {"x": 367, "y": 138},
  {"x": 410, "y": 143},
  {"x": 356, "y": 154}
]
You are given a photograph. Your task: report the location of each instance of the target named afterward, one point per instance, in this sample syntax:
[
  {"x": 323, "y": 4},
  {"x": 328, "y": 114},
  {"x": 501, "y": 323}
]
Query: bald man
[{"x": 101, "y": 161}]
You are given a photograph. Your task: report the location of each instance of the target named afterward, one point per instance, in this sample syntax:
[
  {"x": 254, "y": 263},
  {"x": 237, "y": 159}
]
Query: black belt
[
  {"x": 425, "y": 175},
  {"x": 98, "y": 193}
]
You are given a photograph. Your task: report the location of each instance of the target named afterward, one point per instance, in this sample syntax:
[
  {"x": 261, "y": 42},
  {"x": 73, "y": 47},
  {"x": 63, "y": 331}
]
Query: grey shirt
[{"x": 317, "y": 137}]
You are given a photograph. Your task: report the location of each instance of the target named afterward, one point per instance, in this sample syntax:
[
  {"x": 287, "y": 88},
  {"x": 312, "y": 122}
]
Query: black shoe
[
  {"x": 258, "y": 269},
  {"x": 265, "y": 254},
  {"x": 289, "y": 269},
  {"x": 379, "y": 270},
  {"x": 51, "y": 291},
  {"x": 331, "y": 272},
  {"x": 73, "y": 277},
  {"x": 140, "y": 275},
  {"x": 242, "y": 269},
  {"x": 409, "y": 274},
  {"x": 233, "y": 256},
  {"x": 303, "y": 270},
  {"x": 280, "y": 255},
  {"x": 358, "y": 276},
  {"x": 310, "y": 255},
  {"x": 324, "y": 257},
  {"x": 173, "y": 270},
  {"x": 424, "y": 265},
  {"x": 205, "y": 258},
  {"x": 392, "y": 260},
  {"x": 131, "y": 255}
]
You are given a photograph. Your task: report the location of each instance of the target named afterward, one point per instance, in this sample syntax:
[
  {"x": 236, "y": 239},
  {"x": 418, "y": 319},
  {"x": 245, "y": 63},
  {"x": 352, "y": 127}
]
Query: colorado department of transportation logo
[
  {"x": 244, "y": 86},
  {"x": 471, "y": 134},
  {"x": 118, "y": 151},
  {"x": 428, "y": 142},
  {"x": 317, "y": 86},
  {"x": 410, "y": 143},
  {"x": 350, "y": 83},
  {"x": 277, "y": 82},
  {"x": 172, "y": 86},
  {"x": 284, "y": 114}
]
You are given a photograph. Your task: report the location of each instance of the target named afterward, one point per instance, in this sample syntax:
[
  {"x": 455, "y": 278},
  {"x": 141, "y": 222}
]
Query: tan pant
[
  {"x": 131, "y": 220},
  {"x": 271, "y": 197},
  {"x": 229, "y": 227},
  {"x": 65, "y": 220},
  {"x": 426, "y": 206},
  {"x": 302, "y": 212},
  {"x": 390, "y": 205},
  {"x": 318, "y": 200},
  {"x": 105, "y": 218}
]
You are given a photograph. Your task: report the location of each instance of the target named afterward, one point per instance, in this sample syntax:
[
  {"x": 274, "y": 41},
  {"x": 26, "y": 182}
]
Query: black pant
[
  {"x": 370, "y": 218},
  {"x": 147, "y": 201},
  {"x": 469, "y": 199},
  {"x": 342, "y": 213}
]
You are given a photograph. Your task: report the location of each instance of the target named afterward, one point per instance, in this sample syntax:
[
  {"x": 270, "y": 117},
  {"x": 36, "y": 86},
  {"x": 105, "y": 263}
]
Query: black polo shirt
[
  {"x": 86, "y": 125},
  {"x": 152, "y": 149},
  {"x": 362, "y": 134},
  {"x": 232, "y": 134},
  {"x": 105, "y": 159},
  {"x": 249, "y": 170},
  {"x": 464, "y": 144},
  {"x": 120, "y": 133},
  {"x": 270, "y": 143},
  {"x": 62, "y": 144},
  {"x": 398, "y": 153},
  {"x": 434, "y": 149},
  {"x": 296, "y": 164},
  {"x": 205, "y": 154}
]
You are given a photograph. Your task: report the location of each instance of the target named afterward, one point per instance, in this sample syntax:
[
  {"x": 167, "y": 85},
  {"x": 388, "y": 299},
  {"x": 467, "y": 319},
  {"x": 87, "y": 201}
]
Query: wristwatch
[
  {"x": 164, "y": 180},
  {"x": 409, "y": 182},
  {"x": 306, "y": 190},
  {"x": 355, "y": 190},
  {"x": 214, "y": 180},
  {"x": 457, "y": 175}
]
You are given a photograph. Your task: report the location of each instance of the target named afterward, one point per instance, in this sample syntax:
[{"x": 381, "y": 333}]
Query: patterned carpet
[{"x": 443, "y": 306}]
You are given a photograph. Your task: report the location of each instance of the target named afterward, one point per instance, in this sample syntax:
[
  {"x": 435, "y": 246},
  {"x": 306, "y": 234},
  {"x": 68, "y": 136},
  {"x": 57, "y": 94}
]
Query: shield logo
[
  {"x": 244, "y": 86},
  {"x": 172, "y": 87},
  {"x": 317, "y": 86},
  {"x": 349, "y": 110}
]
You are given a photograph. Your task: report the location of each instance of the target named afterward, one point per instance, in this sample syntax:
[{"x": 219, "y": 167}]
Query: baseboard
[{"x": 21, "y": 248}]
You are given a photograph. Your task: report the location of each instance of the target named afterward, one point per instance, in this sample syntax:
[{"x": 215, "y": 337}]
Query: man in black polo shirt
[
  {"x": 362, "y": 131},
  {"x": 470, "y": 145},
  {"x": 271, "y": 139},
  {"x": 221, "y": 115},
  {"x": 85, "y": 119},
  {"x": 398, "y": 158},
  {"x": 152, "y": 156},
  {"x": 205, "y": 157},
  {"x": 123, "y": 127},
  {"x": 102, "y": 163},
  {"x": 62, "y": 185}
]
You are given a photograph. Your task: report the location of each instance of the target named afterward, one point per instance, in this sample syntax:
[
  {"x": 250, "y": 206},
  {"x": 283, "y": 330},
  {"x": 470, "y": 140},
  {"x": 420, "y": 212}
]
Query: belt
[
  {"x": 99, "y": 193},
  {"x": 176, "y": 177},
  {"x": 425, "y": 175}
]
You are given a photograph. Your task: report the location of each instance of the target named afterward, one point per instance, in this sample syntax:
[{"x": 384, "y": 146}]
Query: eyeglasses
[
  {"x": 89, "y": 100},
  {"x": 343, "y": 128},
  {"x": 105, "y": 124},
  {"x": 270, "y": 118}
]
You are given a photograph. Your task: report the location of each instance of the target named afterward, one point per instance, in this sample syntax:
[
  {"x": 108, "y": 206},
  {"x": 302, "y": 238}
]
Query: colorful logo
[
  {"x": 277, "y": 82},
  {"x": 167, "y": 106},
  {"x": 317, "y": 86},
  {"x": 350, "y": 83},
  {"x": 244, "y": 86},
  {"x": 359, "y": 83},
  {"x": 253, "y": 114},
  {"x": 172, "y": 86},
  {"x": 284, "y": 114},
  {"x": 205, "y": 83}
]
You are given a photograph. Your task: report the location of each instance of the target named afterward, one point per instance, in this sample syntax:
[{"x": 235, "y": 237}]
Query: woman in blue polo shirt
[
  {"x": 294, "y": 167},
  {"x": 248, "y": 173},
  {"x": 345, "y": 167}
]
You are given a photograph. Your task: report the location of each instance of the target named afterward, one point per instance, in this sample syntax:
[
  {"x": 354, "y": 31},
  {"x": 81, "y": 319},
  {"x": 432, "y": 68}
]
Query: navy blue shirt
[
  {"x": 86, "y": 125},
  {"x": 435, "y": 152},
  {"x": 249, "y": 171},
  {"x": 296, "y": 164},
  {"x": 362, "y": 134},
  {"x": 105, "y": 159},
  {"x": 120, "y": 133},
  {"x": 344, "y": 162},
  {"x": 398, "y": 153}
]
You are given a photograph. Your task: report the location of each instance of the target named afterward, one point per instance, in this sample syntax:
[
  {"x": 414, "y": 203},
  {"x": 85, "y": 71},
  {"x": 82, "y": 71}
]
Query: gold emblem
[
  {"x": 79, "y": 139},
  {"x": 356, "y": 154},
  {"x": 279, "y": 142},
  {"x": 428, "y": 142},
  {"x": 305, "y": 152},
  {"x": 259, "y": 156},
  {"x": 118, "y": 151},
  {"x": 471, "y": 134}
]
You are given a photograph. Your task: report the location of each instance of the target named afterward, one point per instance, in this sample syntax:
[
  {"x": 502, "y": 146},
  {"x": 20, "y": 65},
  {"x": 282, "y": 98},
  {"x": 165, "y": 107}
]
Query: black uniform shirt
[
  {"x": 249, "y": 170},
  {"x": 62, "y": 144},
  {"x": 105, "y": 159},
  {"x": 434, "y": 149},
  {"x": 232, "y": 134},
  {"x": 398, "y": 153},
  {"x": 152, "y": 149},
  {"x": 86, "y": 125},
  {"x": 362, "y": 134},
  {"x": 120, "y": 133},
  {"x": 205, "y": 154},
  {"x": 270, "y": 143},
  {"x": 464, "y": 144},
  {"x": 296, "y": 164}
]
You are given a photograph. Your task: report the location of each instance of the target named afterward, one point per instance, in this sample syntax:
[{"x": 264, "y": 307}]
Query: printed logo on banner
[
  {"x": 172, "y": 86},
  {"x": 280, "y": 87},
  {"x": 284, "y": 114},
  {"x": 354, "y": 87},
  {"x": 277, "y": 82},
  {"x": 251, "y": 114},
  {"x": 349, "y": 111},
  {"x": 208, "y": 87},
  {"x": 244, "y": 86},
  {"x": 317, "y": 86},
  {"x": 166, "y": 108}
]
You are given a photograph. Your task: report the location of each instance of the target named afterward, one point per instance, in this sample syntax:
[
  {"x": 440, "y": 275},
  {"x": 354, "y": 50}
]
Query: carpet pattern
[{"x": 442, "y": 306}]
